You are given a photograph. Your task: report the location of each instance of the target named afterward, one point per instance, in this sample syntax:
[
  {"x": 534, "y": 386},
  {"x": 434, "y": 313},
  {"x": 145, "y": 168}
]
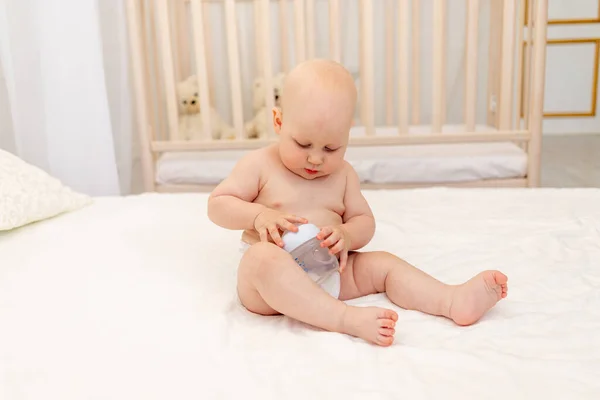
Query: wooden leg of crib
[
  {"x": 145, "y": 133},
  {"x": 537, "y": 94}
]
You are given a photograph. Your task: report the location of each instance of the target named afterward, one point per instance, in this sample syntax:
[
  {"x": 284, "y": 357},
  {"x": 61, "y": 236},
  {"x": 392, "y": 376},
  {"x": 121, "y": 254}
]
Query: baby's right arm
[{"x": 230, "y": 204}]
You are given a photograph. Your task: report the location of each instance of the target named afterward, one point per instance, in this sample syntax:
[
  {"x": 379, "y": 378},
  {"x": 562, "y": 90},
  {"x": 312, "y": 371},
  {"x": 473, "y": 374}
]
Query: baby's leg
[
  {"x": 270, "y": 282},
  {"x": 413, "y": 289}
]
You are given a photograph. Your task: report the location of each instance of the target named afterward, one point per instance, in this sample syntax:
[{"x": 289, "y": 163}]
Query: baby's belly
[{"x": 320, "y": 218}]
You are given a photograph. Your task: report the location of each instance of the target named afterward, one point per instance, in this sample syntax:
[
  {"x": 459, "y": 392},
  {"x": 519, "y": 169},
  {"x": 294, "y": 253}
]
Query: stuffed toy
[{"x": 190, "y": 114}]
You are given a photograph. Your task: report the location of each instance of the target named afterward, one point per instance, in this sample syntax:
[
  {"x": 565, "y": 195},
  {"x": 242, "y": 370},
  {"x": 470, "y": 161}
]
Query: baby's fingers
[
  {"x": 286, "y": 225},
  {"x": 343, "y": 260},
  {"x": 263, "y": 235},
  {"x": 293, "y": 218},
  {"x": 331, "y": 240},
  {"x": 339, "y": 246},
  {"x": 274, "y": 232},
  {"x": 326, "y": 231}
]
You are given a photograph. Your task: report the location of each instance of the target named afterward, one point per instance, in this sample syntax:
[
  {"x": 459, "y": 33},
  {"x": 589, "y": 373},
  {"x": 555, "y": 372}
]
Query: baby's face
[
  {"x": 315, "y": 118},
  {"x": 313, "y": 144}
]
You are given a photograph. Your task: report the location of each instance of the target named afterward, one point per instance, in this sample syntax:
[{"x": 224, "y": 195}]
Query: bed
[{"x": 134, "y": 298}]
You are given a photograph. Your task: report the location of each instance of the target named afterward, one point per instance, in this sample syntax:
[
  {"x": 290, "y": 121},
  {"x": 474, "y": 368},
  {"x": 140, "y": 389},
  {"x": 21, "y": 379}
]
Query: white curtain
[{"x": 64, "y": 92}]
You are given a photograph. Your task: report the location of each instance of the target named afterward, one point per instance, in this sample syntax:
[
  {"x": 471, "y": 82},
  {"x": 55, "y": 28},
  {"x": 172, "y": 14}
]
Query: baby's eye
[
  {"x": 185, "y": 102},
  {"x": 304, "y": 146},
  {"x": 329, "y": 149},
  {"x": 195, "y": 94}
]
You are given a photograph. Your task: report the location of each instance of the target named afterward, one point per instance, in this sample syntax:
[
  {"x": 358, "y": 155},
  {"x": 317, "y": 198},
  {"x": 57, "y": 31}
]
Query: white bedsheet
[
  {"x": 378, "y": 164},
  {"x": 134, "y": 298}
]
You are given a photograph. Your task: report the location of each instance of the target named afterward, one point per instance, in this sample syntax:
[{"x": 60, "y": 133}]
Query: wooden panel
[
  {"x": 234, "y": 67},
  {"x": 201, "y": 71},
  {"x": 570, "y": 4},
  {"x": 335, "y": 49},
  {"x": 300, "y": 32},
  {"x": 164, "y": 36},
  {"x": 366, "y": 66},
  {"x": 438, "y": 138},
  {"x": 439, "y": 68},
  {"x": 416, "y": 63},
  {"x": 471, "y": 65},
  {"x": 403, "y": 58},
  {"x": 507, "y": 66}
]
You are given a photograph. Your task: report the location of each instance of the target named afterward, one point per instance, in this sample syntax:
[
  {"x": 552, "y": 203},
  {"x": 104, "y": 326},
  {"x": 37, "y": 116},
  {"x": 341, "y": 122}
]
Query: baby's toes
[
  {"x": 385, "y": 340},
  {"x": 386, "y": 323},
  {"x": 385, "y": 313},
  {"x": 387, "y": 331}
]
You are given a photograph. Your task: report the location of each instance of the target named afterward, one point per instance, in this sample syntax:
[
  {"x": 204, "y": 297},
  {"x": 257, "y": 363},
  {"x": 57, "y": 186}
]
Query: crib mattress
[
  {"x": 134, "y": 298},
  {"x": 379, "y": 164}
]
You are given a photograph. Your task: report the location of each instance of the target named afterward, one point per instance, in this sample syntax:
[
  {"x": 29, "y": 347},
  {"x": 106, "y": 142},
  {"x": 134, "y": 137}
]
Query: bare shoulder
[
  {"x": 352, "y": 178},
  {"x": 354, "y": 201},
  {"x": 245, "y": 179}
]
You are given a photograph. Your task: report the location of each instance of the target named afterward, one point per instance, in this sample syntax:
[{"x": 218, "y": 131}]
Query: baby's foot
[
  {"x": 373, "y": 324},
  {"x": 475, "y": 297}
]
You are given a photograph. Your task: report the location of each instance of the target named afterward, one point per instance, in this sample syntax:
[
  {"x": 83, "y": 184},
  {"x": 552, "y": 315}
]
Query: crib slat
[
  {"x": 162, "y": 13},
  {"x": 439, "y": 14},
  {"x": 300, "y": 32},
  {"x": 201, "y": 72},
  {"x": 258, "y": 44},
  {"x": 283, "y": 24},
  {"x": 209, "y": 50},
  {"x": 403, "y": 57},
  {"x": 389, "y": 61},
  {"x": 310, "y": 28},
  {"x": 366, "y": 66},
  {"x": 416, "y": 63},
  {"x": 267, "y": 66},
  {"x": 183, "y": 40},
  {"x": 519, "y": 98},
  {"x": 528, "y": 69},
  {"x": 141, "y": 94},
  {"x": 471, "y": 66},
  {"x": 335, "y": 52},
  {"x": 234, "y": 67},
  {"x": 507, "y": 74},
  {"x": 160, "y": 129},
  {"x": 173, "y": 26},
  {"x": 537, "y": 94}
]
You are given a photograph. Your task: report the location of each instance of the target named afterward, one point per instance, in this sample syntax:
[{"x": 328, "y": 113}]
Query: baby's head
[{"x": 315, "y": 118}]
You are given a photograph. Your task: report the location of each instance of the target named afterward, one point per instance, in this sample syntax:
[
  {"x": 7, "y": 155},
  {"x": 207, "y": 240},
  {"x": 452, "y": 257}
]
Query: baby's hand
[
  {"x": 337, "y": 237},
  {"x": 270, "y": 221}
]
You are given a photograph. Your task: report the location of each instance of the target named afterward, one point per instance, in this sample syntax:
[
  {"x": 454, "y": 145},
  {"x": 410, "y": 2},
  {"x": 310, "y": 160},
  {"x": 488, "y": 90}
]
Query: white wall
[{"x": 570, "y": 68}]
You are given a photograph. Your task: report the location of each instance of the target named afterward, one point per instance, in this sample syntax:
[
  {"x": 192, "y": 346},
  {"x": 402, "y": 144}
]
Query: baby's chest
[{"x": 298, "y": 194}]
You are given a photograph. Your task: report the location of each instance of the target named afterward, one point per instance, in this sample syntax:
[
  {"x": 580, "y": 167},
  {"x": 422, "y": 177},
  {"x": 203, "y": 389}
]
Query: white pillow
[{"x": 28, "y": 194}]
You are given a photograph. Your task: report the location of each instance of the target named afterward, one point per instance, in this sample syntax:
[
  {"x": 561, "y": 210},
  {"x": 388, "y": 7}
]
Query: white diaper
[{"x": 330, "y": 283}]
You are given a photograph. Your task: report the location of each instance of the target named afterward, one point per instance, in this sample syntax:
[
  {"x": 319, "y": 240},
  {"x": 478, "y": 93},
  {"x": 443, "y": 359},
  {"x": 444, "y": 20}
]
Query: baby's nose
[
  {"x": 315, "y": 160},
  {"x": 193, "y": 102}
]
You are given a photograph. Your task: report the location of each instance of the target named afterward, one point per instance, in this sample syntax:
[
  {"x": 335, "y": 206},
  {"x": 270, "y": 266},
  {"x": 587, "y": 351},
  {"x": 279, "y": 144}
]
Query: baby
[{"x": 304, "y": 178}]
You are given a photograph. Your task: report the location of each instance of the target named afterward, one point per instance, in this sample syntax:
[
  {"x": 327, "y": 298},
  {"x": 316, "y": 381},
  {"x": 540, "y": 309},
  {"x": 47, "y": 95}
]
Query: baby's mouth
[{"x": 310, "y": 171}]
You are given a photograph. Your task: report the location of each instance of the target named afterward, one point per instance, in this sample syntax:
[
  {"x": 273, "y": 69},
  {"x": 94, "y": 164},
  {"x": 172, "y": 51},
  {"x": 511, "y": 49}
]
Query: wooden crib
[{"x": 415, "y": 127}]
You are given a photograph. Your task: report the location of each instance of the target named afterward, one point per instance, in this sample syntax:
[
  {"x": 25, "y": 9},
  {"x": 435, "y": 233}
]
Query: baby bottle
[{"x": 306, "y": 250}]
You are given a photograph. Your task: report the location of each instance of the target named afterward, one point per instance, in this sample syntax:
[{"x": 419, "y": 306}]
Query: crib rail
[{"x": 175, "y": 38}]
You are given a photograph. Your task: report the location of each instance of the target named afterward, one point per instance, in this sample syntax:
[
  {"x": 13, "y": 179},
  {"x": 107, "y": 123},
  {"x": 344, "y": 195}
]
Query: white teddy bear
[
  {"x": 190, "y": 115},
  {"x": 258, "y": 126}
]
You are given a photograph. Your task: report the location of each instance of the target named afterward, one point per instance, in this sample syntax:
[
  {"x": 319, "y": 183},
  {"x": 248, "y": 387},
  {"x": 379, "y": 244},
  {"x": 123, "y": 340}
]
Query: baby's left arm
[{"x": 359, "y": 224}]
